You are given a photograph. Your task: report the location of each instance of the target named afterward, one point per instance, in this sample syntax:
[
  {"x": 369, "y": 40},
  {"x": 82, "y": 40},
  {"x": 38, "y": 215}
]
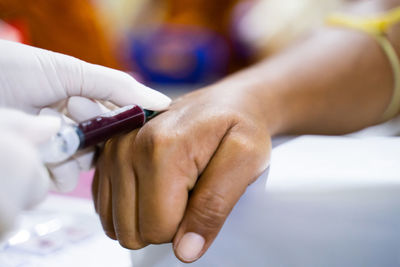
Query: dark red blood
[{"x": 103, "y": 127}]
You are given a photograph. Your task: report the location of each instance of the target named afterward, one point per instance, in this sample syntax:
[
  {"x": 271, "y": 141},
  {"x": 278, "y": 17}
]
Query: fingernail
[{"x": 190, "y": 246}]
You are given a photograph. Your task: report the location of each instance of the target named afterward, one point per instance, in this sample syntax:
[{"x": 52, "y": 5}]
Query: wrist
[{"x": 257, "y": 93}]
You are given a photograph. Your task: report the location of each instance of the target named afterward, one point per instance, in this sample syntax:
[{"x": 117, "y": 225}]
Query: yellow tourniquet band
[{"x": 377, "y": 27}]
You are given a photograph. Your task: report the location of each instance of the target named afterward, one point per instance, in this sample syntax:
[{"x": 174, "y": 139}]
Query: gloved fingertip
[
  {"x": 49, "y": 112},
  {"x": 84, "y": 158},
  {"x": 121, "y": 89},
  {"x": 65, "y": 176},
  {"x": 153, "y": 100}
]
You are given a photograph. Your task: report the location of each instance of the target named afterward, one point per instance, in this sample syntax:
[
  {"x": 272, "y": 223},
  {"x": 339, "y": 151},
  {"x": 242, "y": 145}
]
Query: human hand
[
  {"x": 178, "y": 177},
  {"x": 24, "y": 180},
  {"x": 32, "y": 78}
]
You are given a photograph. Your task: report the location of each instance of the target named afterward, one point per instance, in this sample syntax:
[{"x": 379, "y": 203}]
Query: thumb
[
  {"x": 120, "y": 88},
  {"x": 236, "y": 164},
  {"x": 80, "y": 78},
  {"x": 36, "y": 129}
]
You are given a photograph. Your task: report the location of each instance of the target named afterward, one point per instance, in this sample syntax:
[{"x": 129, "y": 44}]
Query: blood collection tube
[
  {"x": 105, "y": 126},
  {"x": 91, "y": 132}
]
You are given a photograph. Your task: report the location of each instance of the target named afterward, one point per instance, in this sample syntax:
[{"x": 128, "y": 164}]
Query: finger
[
  {"x": 95, "y": 190},
  {"x": 37, "y": 129},
  {"x": 238, "y": 161},
  {"x": 24, "y": 179},
  {"x": 81, "y": 108},
  {"x": 104, "y": 194},
  {"x": 65, "y": 175},
  {"x": 80, "y": 78},
  {"x": 104, "y": 205},
  {"x": 124, "y": 200},
  {"x": 51, "y": 112},
  {"x": 166, "y": 170},
  {"x": 162, "y": 193},
  {"x": 84, "y": 158}
]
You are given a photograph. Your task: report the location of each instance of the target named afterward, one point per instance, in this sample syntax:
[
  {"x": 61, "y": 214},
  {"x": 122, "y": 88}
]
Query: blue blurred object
[{"x": 178, "y": 54}]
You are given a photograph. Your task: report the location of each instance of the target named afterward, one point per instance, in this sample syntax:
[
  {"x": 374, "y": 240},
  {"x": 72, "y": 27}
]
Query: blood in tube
[{"x": 105, "y": 126}]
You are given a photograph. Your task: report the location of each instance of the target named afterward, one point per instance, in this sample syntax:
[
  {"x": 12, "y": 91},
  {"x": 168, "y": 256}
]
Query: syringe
[{"x": 72, "y": 138}]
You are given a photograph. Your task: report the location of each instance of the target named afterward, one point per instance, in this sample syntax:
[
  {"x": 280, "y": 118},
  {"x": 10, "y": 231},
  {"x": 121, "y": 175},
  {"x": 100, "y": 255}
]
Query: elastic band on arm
[{"x": 377, "y": 27}]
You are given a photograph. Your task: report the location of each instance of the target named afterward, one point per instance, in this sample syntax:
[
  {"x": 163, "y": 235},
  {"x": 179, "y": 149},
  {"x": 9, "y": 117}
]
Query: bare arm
[{"x": 335, "y": 81}]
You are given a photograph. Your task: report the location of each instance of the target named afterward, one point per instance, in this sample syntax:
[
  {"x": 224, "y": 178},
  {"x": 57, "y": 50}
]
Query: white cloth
[{"x": 287, "y": 21}]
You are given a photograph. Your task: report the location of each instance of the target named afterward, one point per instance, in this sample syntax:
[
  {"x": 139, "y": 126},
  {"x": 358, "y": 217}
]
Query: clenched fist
[{"x": 178, "y": 178}]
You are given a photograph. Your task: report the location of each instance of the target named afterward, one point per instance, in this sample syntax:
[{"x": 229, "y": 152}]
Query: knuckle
[
  {"x": 254, "y": 153},
  {"x": 153, "y": 139},
  {"x": 210, "y": 210},
  {"x": 243, "y": 144},
  {"x": 162, "y": 139},
  {"x": 237, "y": 116},
  {"x": 108, "y": 147},
  {"x": 254, "y": 145},
  {"x": 159, "y": 138}
]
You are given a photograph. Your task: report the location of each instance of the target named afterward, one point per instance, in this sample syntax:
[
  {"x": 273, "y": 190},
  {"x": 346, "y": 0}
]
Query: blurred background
[
  {"x": 165, "y": 43},
  {"x": 177, "y": 46}
]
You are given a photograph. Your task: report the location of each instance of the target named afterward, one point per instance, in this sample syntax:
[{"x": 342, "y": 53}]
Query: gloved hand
[
  {"x": 65, "y": 174},
  {"x": 32, "y": 78},
  {"x": 24, "y": 181}
]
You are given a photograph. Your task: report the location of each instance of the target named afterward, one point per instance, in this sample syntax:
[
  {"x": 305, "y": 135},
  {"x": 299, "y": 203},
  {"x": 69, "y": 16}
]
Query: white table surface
[{"x": 93, "y": 250}]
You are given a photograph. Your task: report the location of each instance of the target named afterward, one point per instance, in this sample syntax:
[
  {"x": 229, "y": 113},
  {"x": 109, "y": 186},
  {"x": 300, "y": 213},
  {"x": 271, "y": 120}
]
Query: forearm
[{"x": 335, "y": 81}]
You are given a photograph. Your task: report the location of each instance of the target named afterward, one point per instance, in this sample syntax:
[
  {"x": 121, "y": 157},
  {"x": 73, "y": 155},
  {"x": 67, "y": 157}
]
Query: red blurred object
[
  {"x": 23, "y": 30},
  {"x": 70, "y": 27},
  {"x": 10, "y": 32}
]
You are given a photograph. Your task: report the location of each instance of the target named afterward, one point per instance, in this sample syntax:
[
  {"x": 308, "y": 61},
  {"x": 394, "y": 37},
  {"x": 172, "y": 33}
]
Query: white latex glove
[
  {"x": 24, "y": 181},
  {"x": 32, "y": 78}
]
